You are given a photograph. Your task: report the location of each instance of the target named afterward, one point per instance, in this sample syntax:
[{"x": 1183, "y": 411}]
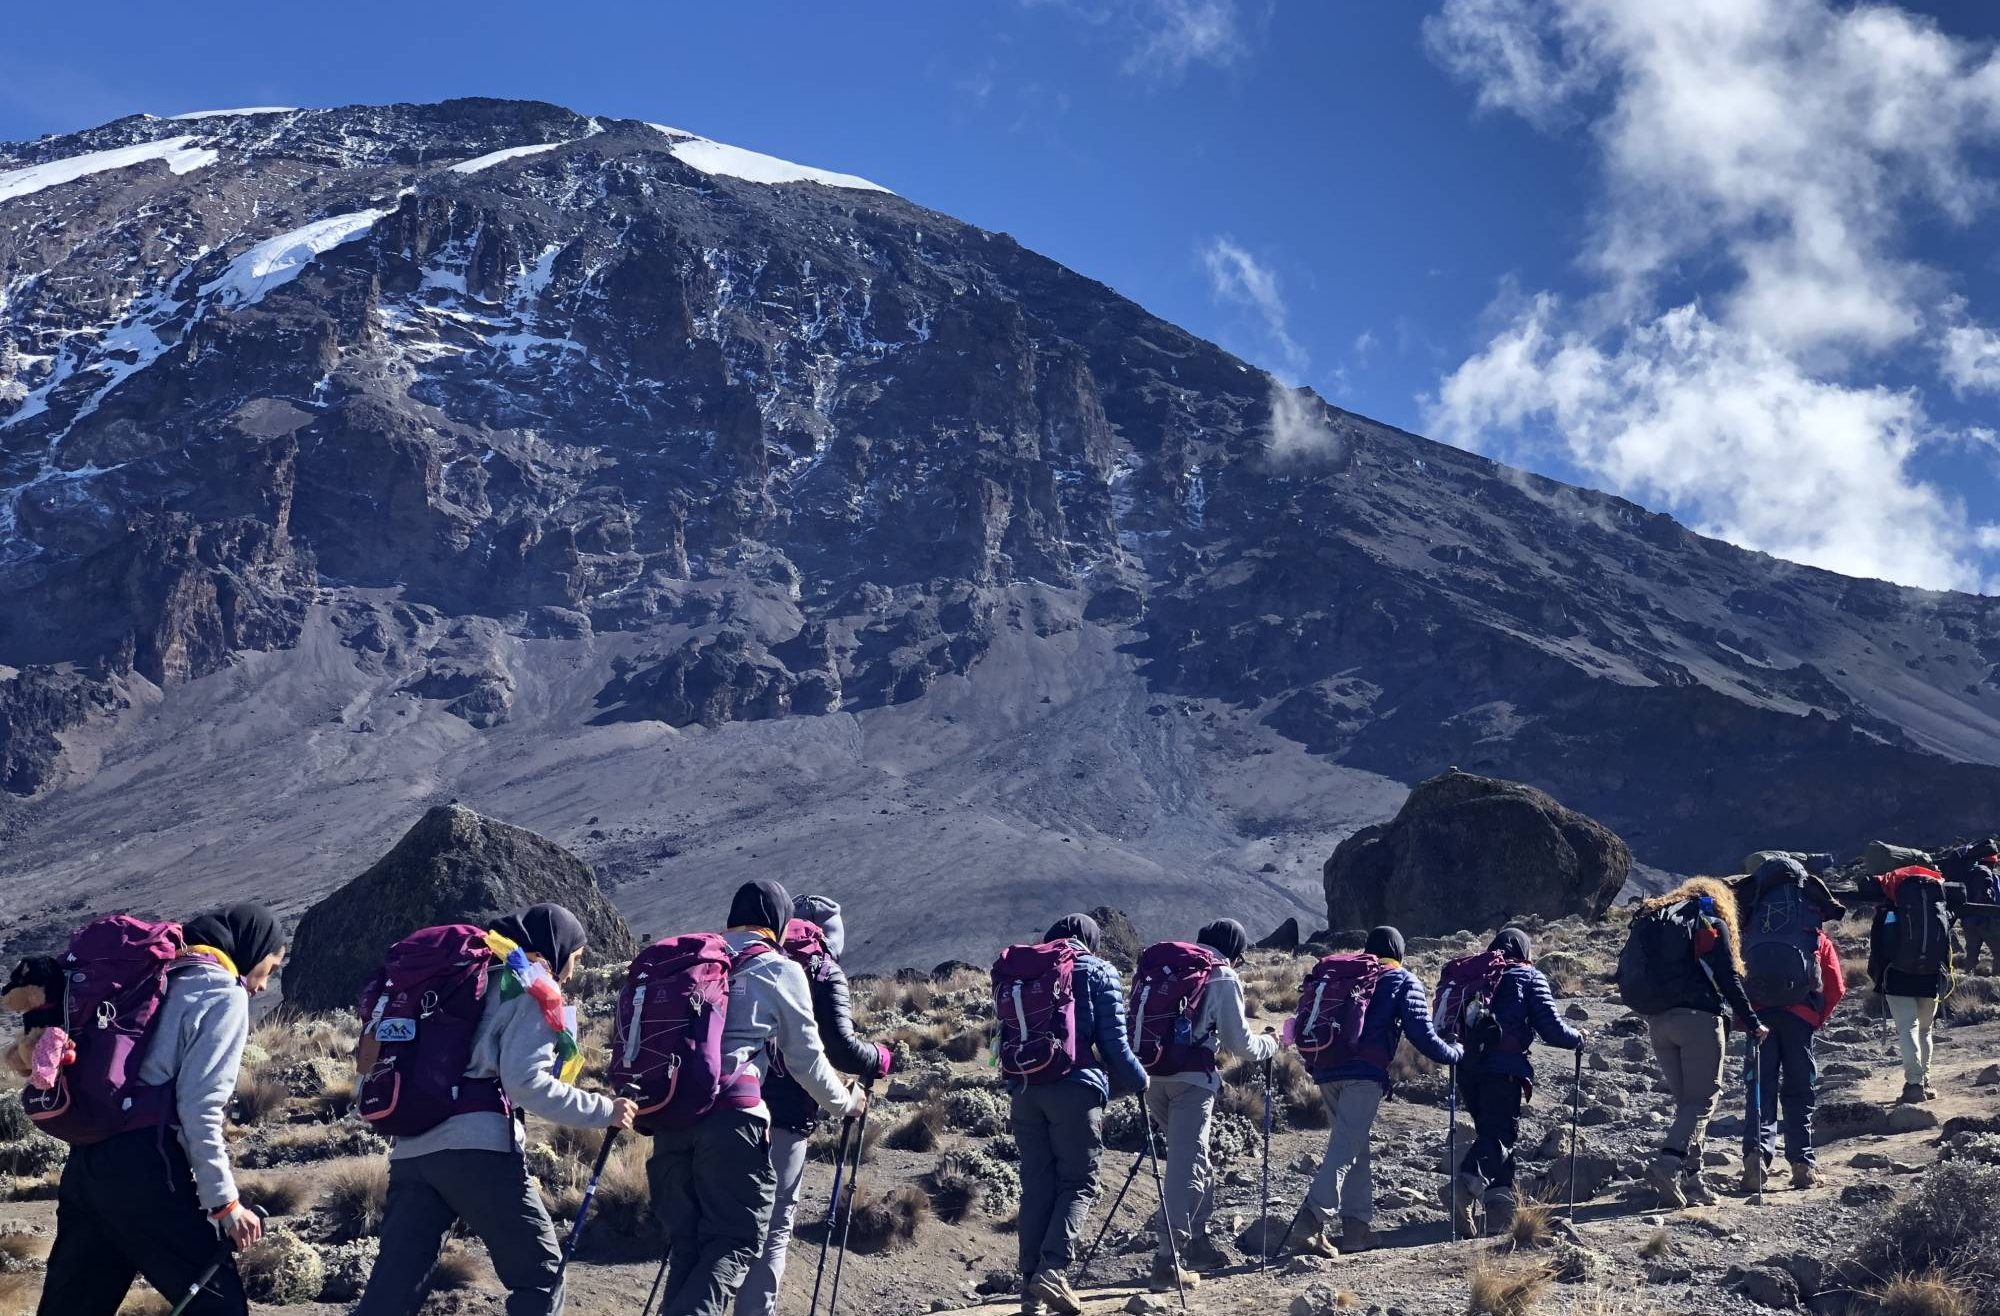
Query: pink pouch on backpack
[{"x": 53, "y": 1050}]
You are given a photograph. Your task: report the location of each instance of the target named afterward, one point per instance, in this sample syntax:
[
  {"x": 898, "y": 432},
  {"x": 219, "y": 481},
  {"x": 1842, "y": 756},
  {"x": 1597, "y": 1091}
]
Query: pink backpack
[
  {"x": 115, "y": 978},
  {"x": 419, "y": 1015},
  {"x": 1167, "y": 995},
  {"x": 1034, "y": 1001},
  {"x": 1333, "y": 1011},
  {"x": 1464, "y": 1006},
  {"x": 668, "y": 1043}
]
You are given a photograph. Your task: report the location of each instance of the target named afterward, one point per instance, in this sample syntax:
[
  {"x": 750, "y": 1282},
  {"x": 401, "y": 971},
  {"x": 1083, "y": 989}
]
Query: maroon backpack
[
  {"x": 668, "y": 1043},
  {"x": 420, "y": 1014},
  {"x": 1465, "y": 994},
  {"x": 805, "y": 946},
  {"x": 1167, "y": 995},
  {"x": 1333, "y": 1012},
  {"x": 115, "y": 976},
  {"x": 1034, "y": 1002}
]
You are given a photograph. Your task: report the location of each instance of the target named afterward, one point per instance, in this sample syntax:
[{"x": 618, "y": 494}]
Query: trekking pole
[
  {"x": 1166, "y": 1216},
  {"x": 1451, "y": 1155},
  {"x": 853, "y": 1188},
  {"x": 1264, "y": 1212},
  {"x": 1753, "y": 1082},
  {"x": 832, "y": 1209},
  {"x": 1575, "y": 1120},
  {"x": 654, "y": 1292},
  {"x": 1138, "y": 1163},
  {"x": 631, "y": 1092},
  {"x": 221, "y": 1256}
]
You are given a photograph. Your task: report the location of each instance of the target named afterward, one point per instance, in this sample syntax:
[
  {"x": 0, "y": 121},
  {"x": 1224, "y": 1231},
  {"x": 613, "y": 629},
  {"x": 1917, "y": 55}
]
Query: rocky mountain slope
[{"x": 717, "y": 516}]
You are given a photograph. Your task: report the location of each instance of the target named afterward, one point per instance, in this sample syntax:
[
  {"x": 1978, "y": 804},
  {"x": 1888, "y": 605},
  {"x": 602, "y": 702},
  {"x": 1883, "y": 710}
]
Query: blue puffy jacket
[
  {"x": 1525, "y": 1007},
  {"x": 1400, "y": 1008},
  {"x": 1104, "y": 1056}
]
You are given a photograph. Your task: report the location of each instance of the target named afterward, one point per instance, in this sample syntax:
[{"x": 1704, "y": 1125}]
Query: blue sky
[{"x": 1731, "y": 258}]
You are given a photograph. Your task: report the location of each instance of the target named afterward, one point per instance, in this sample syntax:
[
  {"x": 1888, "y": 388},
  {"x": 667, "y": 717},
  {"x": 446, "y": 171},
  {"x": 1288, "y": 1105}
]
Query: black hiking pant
[
  {"x": 1787, "y": 1071},
  {"x": 1494, "y": 1101},
  {"x": 492, "y": 1192},
  {"x": 1059, "y": 1129},
  {"x": 713, "y": 1188},
  {"x": 127, "y": 1207}
]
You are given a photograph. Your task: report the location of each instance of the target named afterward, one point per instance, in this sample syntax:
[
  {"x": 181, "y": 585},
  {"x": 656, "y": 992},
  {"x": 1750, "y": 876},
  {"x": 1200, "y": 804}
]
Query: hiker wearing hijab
[
  {"x": 1499, "y": 1080},
  {"x": 471, "y": 1168},
  {"x": 141, "y": 1203},
  {"x": 713, "y": 1183},
  {"x": 1059, "y": 1126},
  {"x": 1183, "y": 1104},
  {"x": 1353, "y": 1088},
  {"x": 814, "y": 940}
]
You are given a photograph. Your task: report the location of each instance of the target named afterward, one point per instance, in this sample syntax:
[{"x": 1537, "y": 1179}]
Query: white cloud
[
  {"x": 1240, "y": 279},
  {"x": 1182, "y": 33},
  {"x": 1762, "y": 162}
]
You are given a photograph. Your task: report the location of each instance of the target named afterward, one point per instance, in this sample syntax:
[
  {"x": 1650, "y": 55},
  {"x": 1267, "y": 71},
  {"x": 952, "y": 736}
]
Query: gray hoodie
[
  {"x": 1222, "y": 1023},
  {"x": 770, "y": 1008},
  {"x": 515, "y": 1043},
  {"x": 196, "y": 1048}
]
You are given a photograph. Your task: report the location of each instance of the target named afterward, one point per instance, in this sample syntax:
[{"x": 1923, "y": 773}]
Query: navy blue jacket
[
  {"x": 1525, "y": 1006},
  {"x": 1399, "y": 1009},
  {"x": 1104, "y": 1058}
]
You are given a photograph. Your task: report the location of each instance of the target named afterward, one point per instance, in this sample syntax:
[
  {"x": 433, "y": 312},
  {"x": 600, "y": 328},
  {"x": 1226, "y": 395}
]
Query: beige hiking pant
[
  {"x": 1346, "y": 1178},
  {"x": 1915, "y": 1017},
  {"x": 1690, "y": 1046}
]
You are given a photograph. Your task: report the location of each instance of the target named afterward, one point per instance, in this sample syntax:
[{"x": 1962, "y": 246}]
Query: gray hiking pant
[
  {"x": 713, "y": 1189},
  {"x": 1916, "y": 1020},
  {"x": 1345, "y": 1183},
  {"x": 1689, "y": 1046},
  {"x": 493, "y": 1194},
  {"x": 1059, "y": 1128},
  {"x": 1183, "y": 1111},
  {"x": 788, "y": 1163}
]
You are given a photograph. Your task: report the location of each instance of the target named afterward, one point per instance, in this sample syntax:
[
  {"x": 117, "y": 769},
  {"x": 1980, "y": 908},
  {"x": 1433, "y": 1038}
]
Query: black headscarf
[
  {"x": 1226, "y": 937},
  {"x": 1076, "y": 927},
  {"x": 550, "y": 931},
  {"x": 245, "y": 933},
  {"x": 1385, "y": 943},
  {"x": 1514, "y": 944},
  {"x": 761, "y": 904}
]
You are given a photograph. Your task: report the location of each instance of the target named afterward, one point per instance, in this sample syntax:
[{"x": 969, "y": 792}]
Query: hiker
[
  {"x": 140, "y": 1202},
  {"x": 1496, "y": 1078},
  {"x": 470, "y": 1167},
  {"x": 1982, "y": 887},
  {"x": 814, "y": 939},
  {"x": 1909, "y": 953},
  {"x": 1353, "y": 1078},
  {"x": 712, "y": 1180},
  {"x": 1178, "y": 1048},
  {"x": 1058, "y": 1109},
  {"x": 1795, "y": 981},
  {"x": 1681, "y": 970}
]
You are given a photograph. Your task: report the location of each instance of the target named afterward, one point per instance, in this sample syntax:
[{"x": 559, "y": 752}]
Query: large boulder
[
  {"x": 454, "y": 866},
  {"x": 1472, "y": 852}
]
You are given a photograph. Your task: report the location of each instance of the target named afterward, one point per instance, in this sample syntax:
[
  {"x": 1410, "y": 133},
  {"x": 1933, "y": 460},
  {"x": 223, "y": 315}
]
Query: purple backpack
[
  {"x": 1333, "y": 1012},
  {"x": 668, "y": 1042},
  {"x": 115, "y": 976},
  {"x": 1034, "y": 1002},
  {"x": 1167, "y": 994},
  {"x": 419, "y": 1016}
]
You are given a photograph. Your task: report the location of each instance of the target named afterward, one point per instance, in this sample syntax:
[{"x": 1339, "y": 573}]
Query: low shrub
[
  {"x": 964, "y": 1046},
  {"x": 888, "y": 1220},
  {"x": 1948, "y": 1226},
  {"x": 14, "y": 1122},
  {"x": 921, "y": 1132}
]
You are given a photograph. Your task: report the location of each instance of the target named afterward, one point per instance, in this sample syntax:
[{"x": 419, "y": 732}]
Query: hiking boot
[
  {"x": 1355, "y": 1235},
  {"x": 1930, "y": 1094},
  {"x": 1664, "y": 1175},
  {"x": 1805, "y": 1174},
  {"x": 1052, "y": 1289},
  {"x": 1912, "y": 1092},
  {"x": 1167, "y": 1278},
  {"x": 1753, "y": 1177},
  {"x": 1202, "y": 1254},
  {"x": 1499, "y": 1215},
  {"x": 1696, "y": 1190},
  {"x": 1032, "y": 1305},
  {"x": 1312, "y": 1240},
  {"x": 1460, "y": 1204}
]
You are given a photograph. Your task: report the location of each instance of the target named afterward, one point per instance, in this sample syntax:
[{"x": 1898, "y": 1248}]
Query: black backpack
[
  {"x": 1655, "y": 965},
  {"x": 1781, "y": 945},
  {"x": 1923, "y": 925}
]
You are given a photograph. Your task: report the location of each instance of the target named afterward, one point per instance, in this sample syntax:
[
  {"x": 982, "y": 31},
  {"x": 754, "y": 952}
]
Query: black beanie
[
  {"x": 1385, "y": 943},
  {"x": 1076, "y": 927},
  {"x": 761, "y": 904},
  {"x": 246, "y": 933},
  {"x": 1226, "y": 937},
  {"x": 1514, "y": 944}
]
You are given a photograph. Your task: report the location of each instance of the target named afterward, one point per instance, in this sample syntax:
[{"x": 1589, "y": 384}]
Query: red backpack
[
  {"x": 420, "y": 1014},
  {"x": 1034, "y": 1002},
  {"x": 1333, "y": 1011},
  {"x": 668, "y": 1042},
  {"x": 115, "y": 976},
  {"x": 1167, "y": 996}
]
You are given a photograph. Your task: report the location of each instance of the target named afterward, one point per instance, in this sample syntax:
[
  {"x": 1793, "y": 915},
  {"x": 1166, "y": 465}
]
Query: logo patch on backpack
[{"x": 396, "y": 1030}]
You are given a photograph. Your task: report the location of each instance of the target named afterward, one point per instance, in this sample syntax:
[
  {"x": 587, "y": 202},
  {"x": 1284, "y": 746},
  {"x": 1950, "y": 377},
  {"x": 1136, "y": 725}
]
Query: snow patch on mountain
[
  {"x": 723, "y": 161},
  {"x": 230, "y": 114},
  {"x": 492, "y": 158},
  {"x": 275, "y": 262},
  {"x": 179, "y": 153}
]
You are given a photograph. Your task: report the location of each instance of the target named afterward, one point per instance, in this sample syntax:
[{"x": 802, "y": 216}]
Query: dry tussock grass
[
  {"x": 280, "y": 1194},
  {"x": 1533, "y": 1225},
  {"x": 624, "y": 1202},
  {"x": 888, "y": 1220},
  {"x": 921, "y": 1132},
  {"x": 1932, "y": 1293},
  {"x": 1506, "y": 1288},
  {"x": 456, "y": 1269},
  {"x": 259, "y": 1099},
  {"x": 354, "y": 1199},
  {"x": 19, "y": 1293},
  {"x": 21, "y": 1249},
  {"x": 144, "y": 1302},
  {"x": 1658, "y": 1244}
]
